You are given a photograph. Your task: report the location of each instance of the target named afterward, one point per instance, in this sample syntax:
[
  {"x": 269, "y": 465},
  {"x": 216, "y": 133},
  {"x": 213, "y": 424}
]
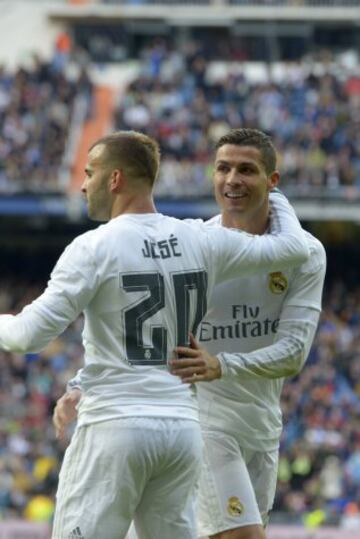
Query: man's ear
[
  {"x": 117, "y": 180},
  {"x": 273, "y": 180}
]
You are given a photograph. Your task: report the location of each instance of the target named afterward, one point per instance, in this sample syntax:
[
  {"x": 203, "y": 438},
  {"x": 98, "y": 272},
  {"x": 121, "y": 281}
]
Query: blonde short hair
[{"x": 135, "y": 153}]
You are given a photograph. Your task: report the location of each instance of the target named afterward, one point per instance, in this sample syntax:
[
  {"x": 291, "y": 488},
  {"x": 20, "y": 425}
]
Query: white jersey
[
  {"x": 143, "y": 282},
  {"x": 261, "y": 327}
]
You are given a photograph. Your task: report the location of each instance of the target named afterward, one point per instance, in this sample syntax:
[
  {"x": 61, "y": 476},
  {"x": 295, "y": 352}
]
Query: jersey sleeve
[
  {"x": 237, "y": 253},
  {"x": 71, "y": 287},
  {"x": 308, "y": 279},
  {"x": 298, "y": 322}
]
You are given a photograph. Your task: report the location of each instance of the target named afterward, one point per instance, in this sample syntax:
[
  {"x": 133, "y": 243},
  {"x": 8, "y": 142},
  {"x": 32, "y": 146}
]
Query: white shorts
[
  {"x": 146, "y": 469},
  {"x": 237, "y": 485}
]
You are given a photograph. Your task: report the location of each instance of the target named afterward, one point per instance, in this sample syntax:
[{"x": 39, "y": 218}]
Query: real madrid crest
[
  {"x": 277, "y": 282},
  {"x": 235, "y": 507}
]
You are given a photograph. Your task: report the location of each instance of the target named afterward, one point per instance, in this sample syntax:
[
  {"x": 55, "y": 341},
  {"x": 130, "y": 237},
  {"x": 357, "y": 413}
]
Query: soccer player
[
  {"x": 258, "y": 331},
  {"x": 143, "y": 281}
]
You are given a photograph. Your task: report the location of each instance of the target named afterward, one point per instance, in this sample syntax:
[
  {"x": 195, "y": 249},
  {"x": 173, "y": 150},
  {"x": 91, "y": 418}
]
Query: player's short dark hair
[
  {"x": 136, "y": 153},
  {"x": 252, "y": 137}
]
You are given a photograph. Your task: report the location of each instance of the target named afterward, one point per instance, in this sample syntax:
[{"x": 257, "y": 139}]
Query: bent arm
[
  {"x": 298, "y": 322},
  {"x": 237, "y": 253},
  {"x": 285, "y": 357},
  {"x": 65, "y": 411}
]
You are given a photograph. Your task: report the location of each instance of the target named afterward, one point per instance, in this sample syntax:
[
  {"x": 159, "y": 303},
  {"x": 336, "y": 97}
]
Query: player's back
[{"x": 151, "y": 291}]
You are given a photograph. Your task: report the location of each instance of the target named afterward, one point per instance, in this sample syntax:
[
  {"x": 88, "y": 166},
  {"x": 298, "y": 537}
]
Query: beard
[{"x": 99, "y": 207}]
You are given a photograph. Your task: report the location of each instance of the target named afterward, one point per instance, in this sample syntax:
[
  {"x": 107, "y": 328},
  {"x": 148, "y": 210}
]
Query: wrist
[{"x": 222, "y": 365}]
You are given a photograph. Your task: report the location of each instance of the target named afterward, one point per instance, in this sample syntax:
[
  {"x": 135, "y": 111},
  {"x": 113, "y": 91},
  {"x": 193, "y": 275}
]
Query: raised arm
[
  {"x": 237, "y": 253},
  {"x": 297, "y": 326}
]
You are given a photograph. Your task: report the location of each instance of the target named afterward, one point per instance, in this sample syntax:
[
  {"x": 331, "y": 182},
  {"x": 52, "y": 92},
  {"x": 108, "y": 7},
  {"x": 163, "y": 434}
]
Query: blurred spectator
[{"x": 350, "y": 520}]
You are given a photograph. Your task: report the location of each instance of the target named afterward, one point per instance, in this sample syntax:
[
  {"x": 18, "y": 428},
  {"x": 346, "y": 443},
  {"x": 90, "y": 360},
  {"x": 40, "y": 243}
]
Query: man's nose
[{"x": 234, "y": 178}]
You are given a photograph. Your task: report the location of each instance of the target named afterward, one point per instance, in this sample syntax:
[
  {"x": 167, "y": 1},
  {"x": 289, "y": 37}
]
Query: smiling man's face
[{"x": 241, "y": 183}]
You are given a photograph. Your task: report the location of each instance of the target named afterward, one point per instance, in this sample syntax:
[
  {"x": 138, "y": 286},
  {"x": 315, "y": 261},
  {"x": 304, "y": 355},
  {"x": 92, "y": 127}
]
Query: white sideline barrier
[
  {"x": 23, "y": 530},
  {"x": 28, "y": 530},
  {"x": 293, "y": 532}
]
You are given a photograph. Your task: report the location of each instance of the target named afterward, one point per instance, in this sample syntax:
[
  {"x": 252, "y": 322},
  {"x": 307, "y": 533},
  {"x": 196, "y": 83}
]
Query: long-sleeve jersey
[
  {"x": 261, "y": 328},
  {"x": 143, "y": 282}
]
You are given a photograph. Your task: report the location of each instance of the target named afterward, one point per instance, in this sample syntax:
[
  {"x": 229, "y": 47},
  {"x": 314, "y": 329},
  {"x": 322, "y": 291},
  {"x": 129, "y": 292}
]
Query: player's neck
[
  {"x": 133, "y": 205},
  {"x": 253, "y": 224}
]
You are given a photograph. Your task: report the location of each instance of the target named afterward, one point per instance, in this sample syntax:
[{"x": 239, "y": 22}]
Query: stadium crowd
[
  {"x": 36, "y": 109},
  {"x": 311, "y": 110},
  {"x": 319, "y": 472},
  {"x": 187, "y": 100}
]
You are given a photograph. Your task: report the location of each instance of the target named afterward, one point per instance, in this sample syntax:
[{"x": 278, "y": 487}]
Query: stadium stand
[
  {"x": 187, "y": 102},
  {"x": 186, "y": 90},
  {"x": 37, "y": 106}
]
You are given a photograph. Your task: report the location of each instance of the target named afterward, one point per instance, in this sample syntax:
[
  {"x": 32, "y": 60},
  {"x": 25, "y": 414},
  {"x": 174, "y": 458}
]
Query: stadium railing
[
  {"x": 29, "y": 530},
  {"x": 25, "y": 530},
  {"x": 293, "y": 3},
  {"x": 223, "y": 9}
]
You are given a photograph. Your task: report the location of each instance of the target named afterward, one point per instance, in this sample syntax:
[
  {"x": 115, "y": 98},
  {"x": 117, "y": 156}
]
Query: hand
[
  {"x": 195, "y": 364},
  {"x": 65, "y": 411}
]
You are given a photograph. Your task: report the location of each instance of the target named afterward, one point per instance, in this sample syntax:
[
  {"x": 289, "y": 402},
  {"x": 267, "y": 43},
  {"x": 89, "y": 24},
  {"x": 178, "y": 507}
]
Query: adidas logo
[{"x": 76, "y": 534}]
